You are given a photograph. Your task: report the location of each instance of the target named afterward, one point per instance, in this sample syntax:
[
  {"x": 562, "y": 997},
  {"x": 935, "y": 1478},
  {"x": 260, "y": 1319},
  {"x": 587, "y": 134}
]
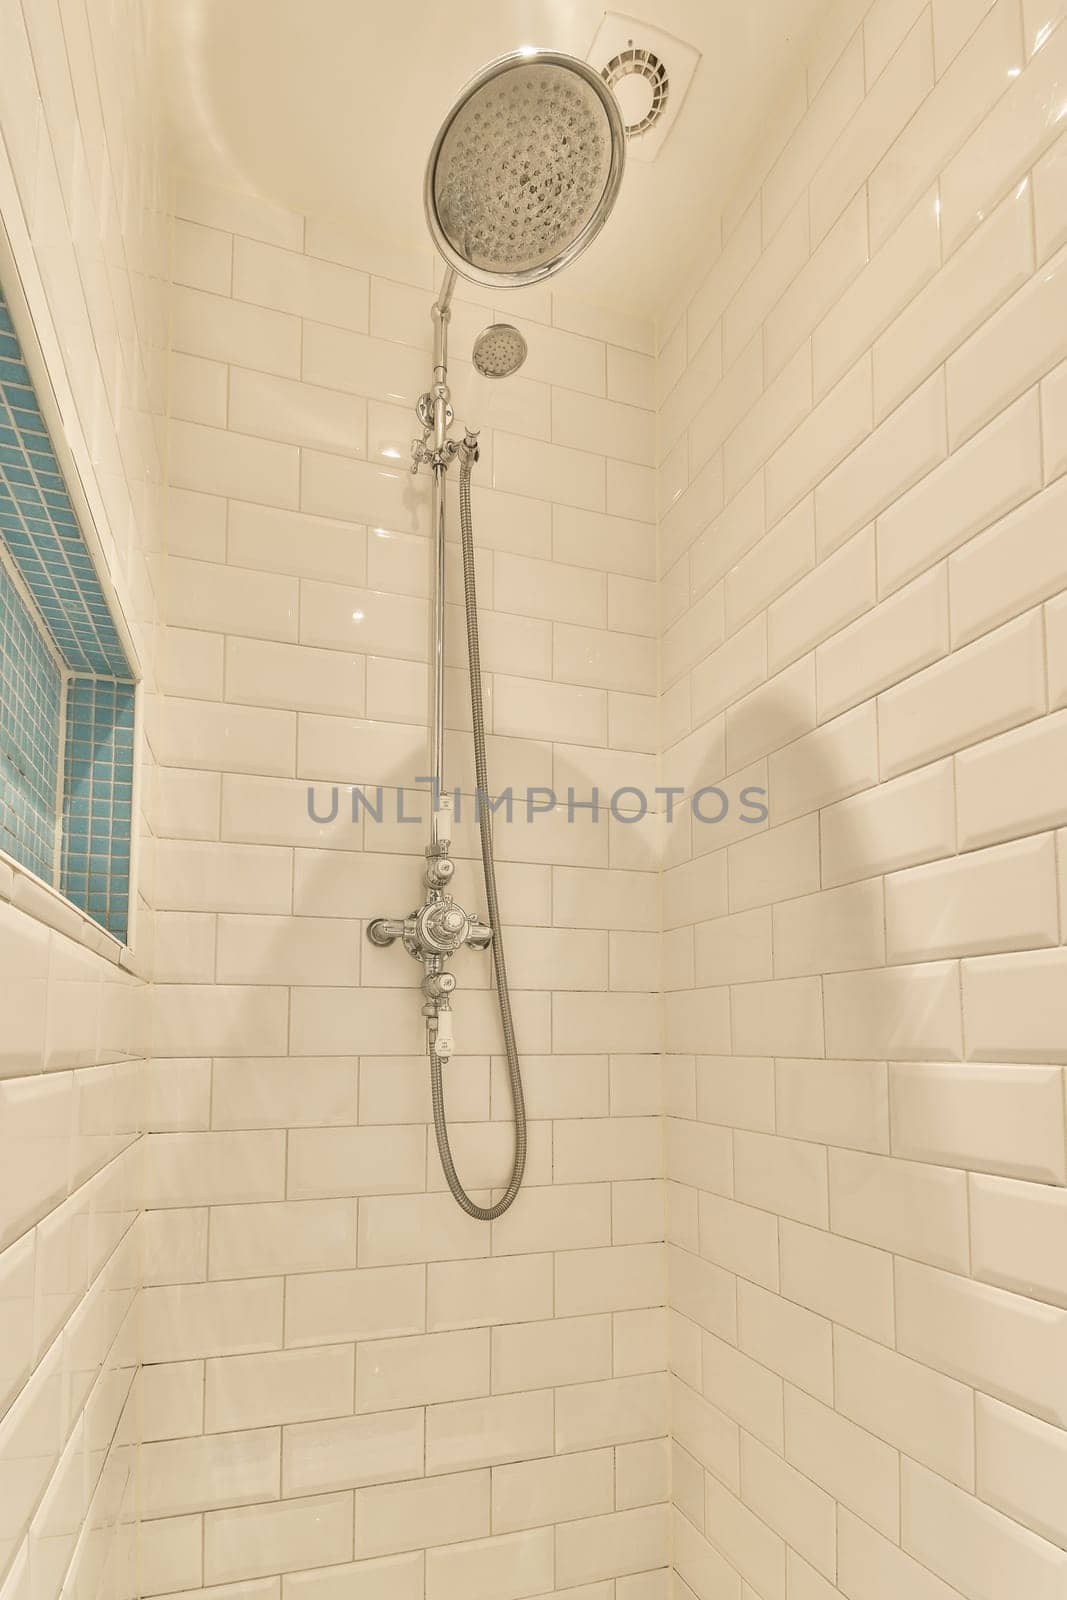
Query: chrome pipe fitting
[
  {"x": 440, "y": 870},
  {"x": 436, "y": 985}
]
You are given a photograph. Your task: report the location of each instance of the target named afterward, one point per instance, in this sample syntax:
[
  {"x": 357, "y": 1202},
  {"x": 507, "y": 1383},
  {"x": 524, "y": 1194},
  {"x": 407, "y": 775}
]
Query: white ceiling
[{"x": 330, "y": 107}]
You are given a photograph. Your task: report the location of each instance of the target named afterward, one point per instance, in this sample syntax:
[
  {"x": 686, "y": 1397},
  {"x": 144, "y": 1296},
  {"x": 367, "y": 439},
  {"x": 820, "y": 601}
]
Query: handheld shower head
[
  {"x": 499, "y": 351},
  {"x": 526, "y": 168}
]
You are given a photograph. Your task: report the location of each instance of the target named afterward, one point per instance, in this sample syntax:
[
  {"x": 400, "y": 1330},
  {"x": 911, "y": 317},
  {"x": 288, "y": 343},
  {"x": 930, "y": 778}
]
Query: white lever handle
[{"x": 444, "y": 1040}]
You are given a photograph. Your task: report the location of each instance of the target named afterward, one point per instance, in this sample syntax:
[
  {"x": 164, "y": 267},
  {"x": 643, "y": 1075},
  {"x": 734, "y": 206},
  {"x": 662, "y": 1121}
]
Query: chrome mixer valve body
[
  {"x": 432, "y": 934},
  {"x": 435, "y": 931}
]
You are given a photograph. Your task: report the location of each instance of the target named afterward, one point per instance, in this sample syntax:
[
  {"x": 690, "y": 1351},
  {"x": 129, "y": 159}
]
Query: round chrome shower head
[
  {"x": 526, "y": 168},
  {"x": 499, "y": 351}
]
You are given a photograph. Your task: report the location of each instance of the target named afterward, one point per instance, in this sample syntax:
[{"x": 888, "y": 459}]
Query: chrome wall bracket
[{"x": 425, "y": 411}]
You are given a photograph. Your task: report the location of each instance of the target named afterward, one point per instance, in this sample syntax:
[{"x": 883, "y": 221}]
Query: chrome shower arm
[
  {"x": 448, "y": 289},
  {"x": 441, "y": 314}
]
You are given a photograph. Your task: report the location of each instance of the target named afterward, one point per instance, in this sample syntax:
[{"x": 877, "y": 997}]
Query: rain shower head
[
  {"x": 526, "y": 168},
  {"x": 499, "y": 351}
]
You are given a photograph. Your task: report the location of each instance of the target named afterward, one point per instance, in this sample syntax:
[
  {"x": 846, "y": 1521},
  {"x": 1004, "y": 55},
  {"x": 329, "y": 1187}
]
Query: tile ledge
[{"x": 39, "y": 900}]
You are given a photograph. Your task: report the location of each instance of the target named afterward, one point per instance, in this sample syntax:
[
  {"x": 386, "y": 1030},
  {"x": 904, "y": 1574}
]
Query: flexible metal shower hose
[{"x": 485, "y": 826}]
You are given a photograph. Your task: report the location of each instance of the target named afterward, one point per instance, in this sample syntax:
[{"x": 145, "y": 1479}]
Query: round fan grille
[{"x": 647, "y": 65}]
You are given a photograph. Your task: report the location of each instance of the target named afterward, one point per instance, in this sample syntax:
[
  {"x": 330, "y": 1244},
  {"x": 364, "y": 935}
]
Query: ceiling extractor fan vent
[
  {"x": 643, "y": 64},
  {"x": 649, "y": 72}
]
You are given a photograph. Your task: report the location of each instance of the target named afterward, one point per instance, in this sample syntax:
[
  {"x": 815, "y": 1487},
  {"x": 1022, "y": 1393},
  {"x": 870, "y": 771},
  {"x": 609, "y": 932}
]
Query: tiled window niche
[
  {"x": 31, "y": 704},
  {"x": 67, "y": 691}
]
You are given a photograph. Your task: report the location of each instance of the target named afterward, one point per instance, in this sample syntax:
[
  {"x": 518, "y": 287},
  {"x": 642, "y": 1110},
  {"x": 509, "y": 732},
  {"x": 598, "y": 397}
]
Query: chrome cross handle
[{"x": 438, "y": 928}]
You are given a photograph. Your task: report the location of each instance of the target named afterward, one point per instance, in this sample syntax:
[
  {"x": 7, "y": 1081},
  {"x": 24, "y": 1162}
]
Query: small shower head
[
  {"x": 499, "y": 351},
  {"x": 526, "y": 168}
]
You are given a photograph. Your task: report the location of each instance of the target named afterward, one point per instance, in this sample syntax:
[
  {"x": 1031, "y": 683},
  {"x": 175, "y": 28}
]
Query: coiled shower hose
[{"x": 485, "y": 828}]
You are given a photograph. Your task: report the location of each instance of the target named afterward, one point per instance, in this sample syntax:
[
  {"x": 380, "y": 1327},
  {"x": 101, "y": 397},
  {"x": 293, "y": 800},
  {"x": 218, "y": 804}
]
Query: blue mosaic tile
[
  {"x": 31, "y": 698},
  {"x": 66, "y": 725},
  {"x": 40, "y": 529},
  {"x": 98, "y": 799}
]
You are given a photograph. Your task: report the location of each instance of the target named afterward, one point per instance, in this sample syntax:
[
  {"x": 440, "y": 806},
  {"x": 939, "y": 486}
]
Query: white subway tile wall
[
  {"x": 353, "y": 1383},
  {"x": 85, "y": 227},
  {"x": 864, "y": 994}
]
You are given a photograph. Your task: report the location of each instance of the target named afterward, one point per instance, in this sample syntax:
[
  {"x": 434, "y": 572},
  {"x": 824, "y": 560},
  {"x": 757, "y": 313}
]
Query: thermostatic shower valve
[
  {"x": 432, "y": 934},
  {"x": 436, "y": 930}
]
